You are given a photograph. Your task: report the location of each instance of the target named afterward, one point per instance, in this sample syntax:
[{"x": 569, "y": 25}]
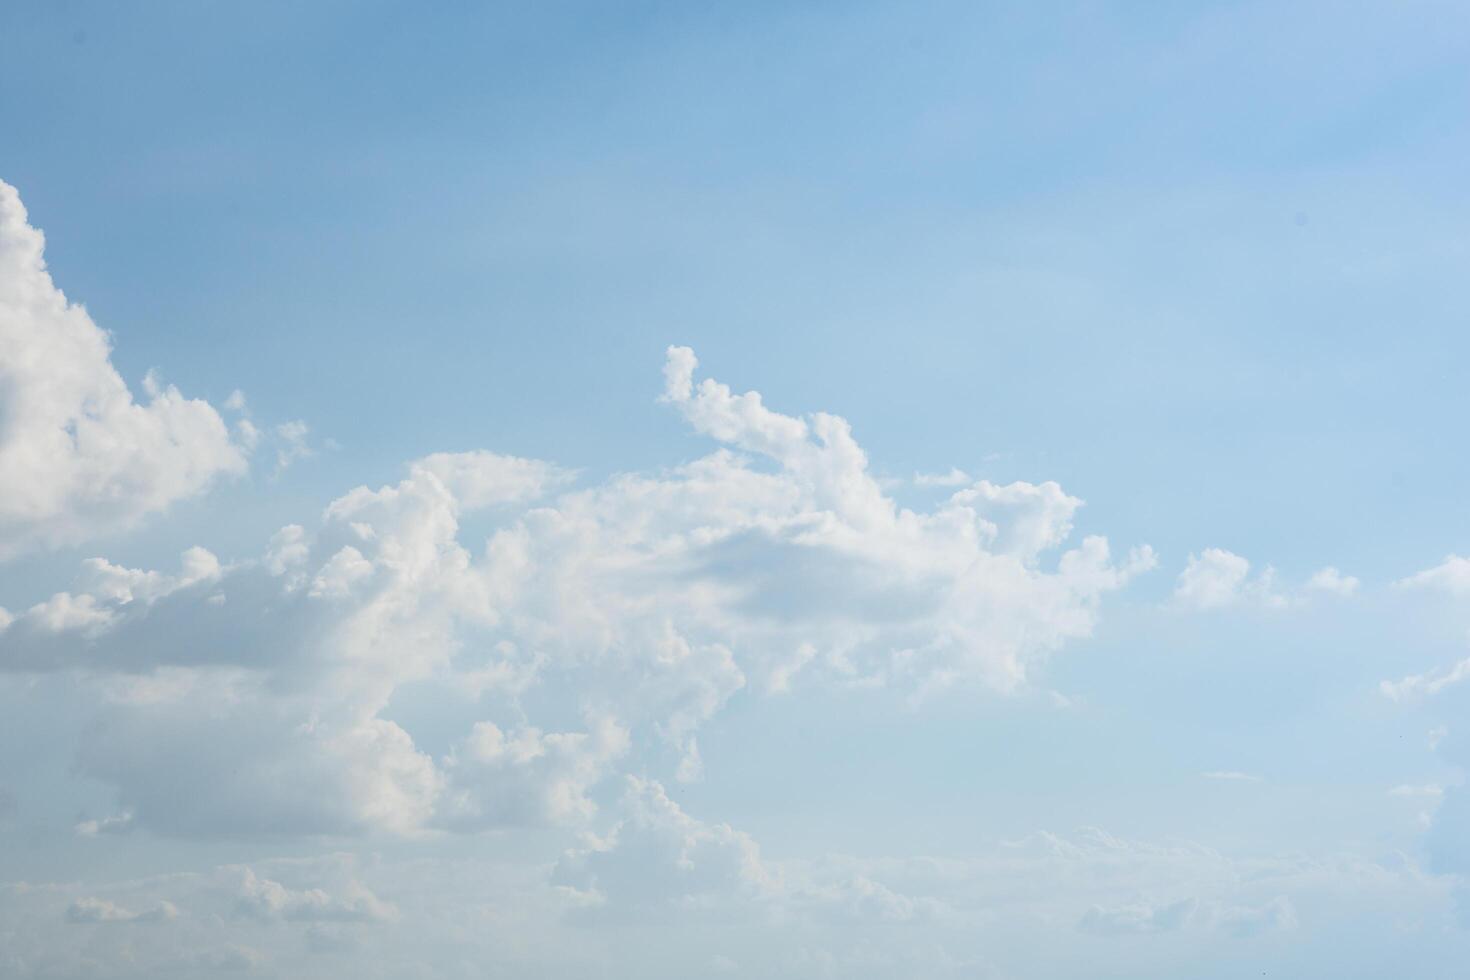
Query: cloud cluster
[
  {"x": 1220, "y": 579},
  {"x": 78, "y": 455},
  {"x": 218, "y": 922},
  {"x": 658, "y": 854},
  {"x": 632, "y": 611}
]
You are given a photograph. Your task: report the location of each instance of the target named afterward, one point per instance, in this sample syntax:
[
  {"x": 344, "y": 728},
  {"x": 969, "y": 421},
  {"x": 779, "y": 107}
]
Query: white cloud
[
  {"x": 119, "y": 823},
  {"x": 1451, "y": 576},
  {"x": 1022, "y": 519},
  {"x": 267, "y": 900},
  {"x": 643, "y": 604},
  {"x": 483, "y": 479},
  {"x": 1332, "y": 581},
  {"x": 658, "y": 856},
  {"x": 1417, "y": 685},
  {"x": 1212, "y": 579},
  {"x": 1217, "y": 579},
  {"x": 78, "y": 456},
  {"x": 528, "y": 778},
  {"x": 292, "y": 445}
]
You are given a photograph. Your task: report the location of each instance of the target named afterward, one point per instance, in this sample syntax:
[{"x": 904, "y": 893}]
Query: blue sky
[{"x": 523, "y": 642}]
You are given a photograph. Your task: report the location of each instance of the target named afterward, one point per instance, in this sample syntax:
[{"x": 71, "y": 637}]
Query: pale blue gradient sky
[{"x": 1203, "y": 266}]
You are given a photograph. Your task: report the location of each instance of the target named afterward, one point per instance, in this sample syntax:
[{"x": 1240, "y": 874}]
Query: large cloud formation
[
  {"x": 627, "y": 613},
  {"x": 78, "y": 456}
]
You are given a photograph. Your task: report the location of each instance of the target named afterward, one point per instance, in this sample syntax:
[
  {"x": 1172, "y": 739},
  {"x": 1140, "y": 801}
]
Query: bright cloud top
[
  {"x": 640, "y": 606},
  {"x": 78, "y": 456}
]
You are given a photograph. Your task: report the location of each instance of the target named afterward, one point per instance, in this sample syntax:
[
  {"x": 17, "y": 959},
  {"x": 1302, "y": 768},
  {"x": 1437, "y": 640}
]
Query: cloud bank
[{"x": 630, "y": 612}]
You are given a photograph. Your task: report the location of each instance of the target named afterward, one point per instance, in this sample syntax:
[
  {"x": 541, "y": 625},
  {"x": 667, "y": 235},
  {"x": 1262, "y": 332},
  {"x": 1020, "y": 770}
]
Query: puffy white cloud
[
  {"x": 884, "y": 594},
  {"x": 1451, "y": 576},
  {"x": 267, "y": 899},
  {"x": 1220, "y": 579},
  {"x": 254, "y": 763},
  {"x": 527, "y": 777},
  {"x": 292, "y": 443},
  {"x": 1332, "y": 581},
  {"x": 1216, "y": 578},
  {"x": 657, "y": 856},
  {"x": 484, "y": 479},
  {"x": 1021, "y": 518},
  {"x": 78, "y": 456},
  {"x": 643, "y": 604}
]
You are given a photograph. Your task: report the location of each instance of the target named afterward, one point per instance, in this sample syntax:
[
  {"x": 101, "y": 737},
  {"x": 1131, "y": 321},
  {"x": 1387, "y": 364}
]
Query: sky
[{"x": 781, "y": 490}]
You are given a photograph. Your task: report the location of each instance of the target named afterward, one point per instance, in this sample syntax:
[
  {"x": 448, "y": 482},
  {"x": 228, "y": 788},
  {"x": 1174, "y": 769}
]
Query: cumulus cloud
[
  {"x": 1451, "y": 576},
  {"x": 527, "y": 778},
  {"x": 1331, "y": 581},
  {"x": 269, "y": 900},
  {"x": 1217, "y": 579},
  {"x": 292, "y": 444},
  {"x": 1220, "y": 579},
  {"x": 657, "y": 855},
  {"x": 78, "y": 455},
  {"x": 966, "y": 573},
  {"x": 642, "y": 604}
]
